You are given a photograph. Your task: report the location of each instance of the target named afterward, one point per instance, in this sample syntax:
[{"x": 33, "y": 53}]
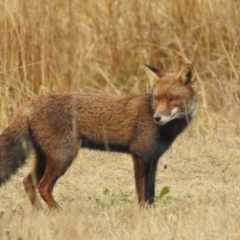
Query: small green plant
[
  {"x": 165, "y": 190},
  {"x": 108, "y": 199},
  {"x": 106, "y": 191}
]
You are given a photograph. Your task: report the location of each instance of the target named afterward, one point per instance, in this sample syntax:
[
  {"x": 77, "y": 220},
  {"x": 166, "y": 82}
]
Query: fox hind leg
[
  {"x": 30, "y": 182},
  {"x": 46, "y": 184},
  {"x": 56, "y": 166}
]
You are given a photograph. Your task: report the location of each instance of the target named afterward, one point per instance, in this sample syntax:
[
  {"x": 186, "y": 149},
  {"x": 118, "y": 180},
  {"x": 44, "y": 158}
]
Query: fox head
[{"x": 173, "y": 95}]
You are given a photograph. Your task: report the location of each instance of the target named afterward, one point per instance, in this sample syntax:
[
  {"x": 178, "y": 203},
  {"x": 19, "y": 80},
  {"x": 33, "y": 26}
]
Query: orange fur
[{"x": 56, "y": 125}]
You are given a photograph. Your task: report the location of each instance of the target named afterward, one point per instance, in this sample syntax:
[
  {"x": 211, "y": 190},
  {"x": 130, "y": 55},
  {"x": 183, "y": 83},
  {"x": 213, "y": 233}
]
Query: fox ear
[
  {"x": 187, "y": 74},
  {"x": 152, "y": 73}
]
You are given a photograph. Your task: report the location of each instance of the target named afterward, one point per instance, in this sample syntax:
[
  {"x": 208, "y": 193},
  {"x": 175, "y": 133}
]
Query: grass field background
[{"x": 99, "y": 46}]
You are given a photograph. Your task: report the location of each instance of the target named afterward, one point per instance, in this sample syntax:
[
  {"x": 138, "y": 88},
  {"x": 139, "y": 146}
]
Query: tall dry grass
[{"x": 99, "y": 46}]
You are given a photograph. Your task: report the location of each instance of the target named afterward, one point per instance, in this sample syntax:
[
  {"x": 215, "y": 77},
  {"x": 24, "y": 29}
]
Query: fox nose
[{"x": 157, "y": 118}]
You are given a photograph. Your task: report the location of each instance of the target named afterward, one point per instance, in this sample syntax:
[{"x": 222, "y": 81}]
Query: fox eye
[{"x": 173, "y": 98}]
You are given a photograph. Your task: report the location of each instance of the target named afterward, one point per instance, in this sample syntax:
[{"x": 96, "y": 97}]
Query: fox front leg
[{"x": 145, "y": 174}]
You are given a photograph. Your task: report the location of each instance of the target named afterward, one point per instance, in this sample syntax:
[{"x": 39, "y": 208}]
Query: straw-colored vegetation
[{"x": 99, "y": 46}]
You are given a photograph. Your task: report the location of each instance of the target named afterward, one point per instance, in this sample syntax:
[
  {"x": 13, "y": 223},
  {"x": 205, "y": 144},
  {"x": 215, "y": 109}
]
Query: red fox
[{"x": 56, "y": 125}]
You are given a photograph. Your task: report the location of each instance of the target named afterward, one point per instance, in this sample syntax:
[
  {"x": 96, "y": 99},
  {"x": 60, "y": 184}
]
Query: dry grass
[
  {"x": 98, "y": 200},
  {"x": 100, "y": 46}
]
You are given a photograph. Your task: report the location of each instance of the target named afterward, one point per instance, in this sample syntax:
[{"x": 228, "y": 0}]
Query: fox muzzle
[{"x": 157, "y": 118}]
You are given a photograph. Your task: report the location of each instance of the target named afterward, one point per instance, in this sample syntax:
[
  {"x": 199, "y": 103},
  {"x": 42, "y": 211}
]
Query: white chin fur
[{"x": 165, "y": 119}]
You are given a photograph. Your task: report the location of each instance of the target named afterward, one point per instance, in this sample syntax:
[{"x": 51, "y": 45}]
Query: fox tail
[{"x": 15, "y": 146}]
